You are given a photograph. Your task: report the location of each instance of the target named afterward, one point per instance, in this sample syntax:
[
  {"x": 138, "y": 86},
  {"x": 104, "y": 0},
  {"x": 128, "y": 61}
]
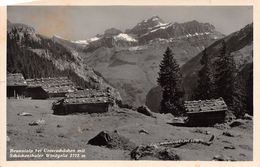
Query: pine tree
[
  {"x": 204, "y": 89},
  {"x": 224, "y": 75},
  {"x": 170, "y": 80},
  {"x": 239, "y": 105}
]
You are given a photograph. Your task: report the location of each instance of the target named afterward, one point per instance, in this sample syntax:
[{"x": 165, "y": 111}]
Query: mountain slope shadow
[{"x": 153, "y": 99}]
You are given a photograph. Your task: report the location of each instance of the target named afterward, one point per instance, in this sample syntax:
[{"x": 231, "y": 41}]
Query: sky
[{"x": 83, "y": 22}]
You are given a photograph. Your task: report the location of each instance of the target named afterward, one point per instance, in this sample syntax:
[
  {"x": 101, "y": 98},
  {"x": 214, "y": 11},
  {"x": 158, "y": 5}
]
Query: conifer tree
[
  {"x": 224, "y": 75},
  {"x": 239, "y": 104},
  {"x": 170, "y": 80},
  {"x": 204, "y": 89}
]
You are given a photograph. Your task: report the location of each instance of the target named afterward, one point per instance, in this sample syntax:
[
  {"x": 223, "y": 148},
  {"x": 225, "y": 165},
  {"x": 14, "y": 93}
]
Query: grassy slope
[{"x": 76, "y": 130}]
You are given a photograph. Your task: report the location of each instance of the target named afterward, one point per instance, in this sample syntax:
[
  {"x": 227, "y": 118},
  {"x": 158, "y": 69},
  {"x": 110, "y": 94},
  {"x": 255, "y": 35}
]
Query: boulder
[
  {"x": 24, "y": 114},
  {"x": 226, "y": 133},
  {"x": 145, "y": 110},
  {"x": 38, "y": 122},
  {"x": 238, "y": 122},
  {"x": 112, "y": 140},
  {"x": 248, "y": 117},
  {"x": 229, "y": 116},
  {"x": 223, "y": 158},
  {"x": 222, "y": 126},
  {"x": 229, "y": 147},
  {"x": 154, "y": 152}
]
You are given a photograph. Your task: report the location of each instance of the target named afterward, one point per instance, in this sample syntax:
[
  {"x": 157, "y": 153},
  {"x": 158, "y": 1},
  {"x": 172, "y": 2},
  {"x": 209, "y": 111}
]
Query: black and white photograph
[{"x": 132, "y": 83}]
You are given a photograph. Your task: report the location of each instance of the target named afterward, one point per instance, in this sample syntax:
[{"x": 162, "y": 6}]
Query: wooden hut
[
  {"x": 205, "y": 112},
  {"x": 84, "y": 101},
  {"x": 42, "y": 88},
  {"x": 16, "y": 85}
]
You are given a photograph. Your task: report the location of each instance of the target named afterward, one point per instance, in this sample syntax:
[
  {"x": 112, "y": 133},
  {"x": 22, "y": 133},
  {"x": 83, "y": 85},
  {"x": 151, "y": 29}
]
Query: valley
[{"x": 129, "y": 61}]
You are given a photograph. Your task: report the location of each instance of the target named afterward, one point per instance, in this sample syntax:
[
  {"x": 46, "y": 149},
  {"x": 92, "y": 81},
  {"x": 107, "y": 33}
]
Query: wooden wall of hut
[
  {"x": 206, "y": 118},
  {"x": 82, "y": 108},
  {"x": 60, "y": 94},
  {"x": 37, "y": 93},
  {"x": 16, "y": 91}
]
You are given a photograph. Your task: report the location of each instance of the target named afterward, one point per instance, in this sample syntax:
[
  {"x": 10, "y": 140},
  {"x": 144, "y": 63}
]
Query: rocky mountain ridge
[{"x": 147, "y": 31}]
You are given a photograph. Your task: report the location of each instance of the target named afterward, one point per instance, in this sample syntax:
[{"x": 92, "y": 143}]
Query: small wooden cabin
[
  {"x": 84, "y": 101},
  {"x": 16, "y": 85},
  {"x": 43, "y": 88},
  {"x": 82, "y": 105},
  {"x": 205, "y": 112}
]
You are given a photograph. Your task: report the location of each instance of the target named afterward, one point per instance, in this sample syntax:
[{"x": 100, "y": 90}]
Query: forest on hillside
[{"x": 20, "y": 59}]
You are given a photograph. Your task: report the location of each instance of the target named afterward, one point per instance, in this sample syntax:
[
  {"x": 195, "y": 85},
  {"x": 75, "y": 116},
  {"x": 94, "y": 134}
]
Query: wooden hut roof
[
  {"x": 212, "y": 105},
  {"x": 53, "y": 85},
  {"x": 88, "y": 93},
  {"x": 16, "y": 79},
  {"x": 103, "y": 100}
]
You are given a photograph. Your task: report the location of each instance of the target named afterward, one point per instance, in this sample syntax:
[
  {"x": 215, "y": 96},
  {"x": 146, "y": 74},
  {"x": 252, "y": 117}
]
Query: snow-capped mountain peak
[{"x": 146, "y": 25}]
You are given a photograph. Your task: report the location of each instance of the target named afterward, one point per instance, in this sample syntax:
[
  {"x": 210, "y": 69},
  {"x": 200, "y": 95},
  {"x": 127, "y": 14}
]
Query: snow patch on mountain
[
  {"x": 86, "y": 42},
  {"x": 57, "y": 36},
  {"x": 93, "y": 39},
  {"x": 81, "y": 42},
  {"x": 135, "y": 48},
  {"x": 125, "y": 37},
  {"x": 161, "y": 26},
  {"x": 197, "y": 34}
]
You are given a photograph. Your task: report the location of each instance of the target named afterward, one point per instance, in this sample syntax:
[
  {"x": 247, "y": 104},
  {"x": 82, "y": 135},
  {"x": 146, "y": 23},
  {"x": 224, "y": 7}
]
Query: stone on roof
[
  {"x": 16, "y": 79},
  {"x": 53, "y": 85},
  {"x": 88, "y": 93},
  {"x": 97, "y": 100},
  {"x": 49, "y": 82},
  {"x": 212, "y": 105}
]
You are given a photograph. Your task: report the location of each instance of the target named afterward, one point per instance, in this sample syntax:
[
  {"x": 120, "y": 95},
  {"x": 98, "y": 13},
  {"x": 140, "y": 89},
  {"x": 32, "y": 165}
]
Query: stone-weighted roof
[
  {"x": 53, "y": 85},
  {"x": 96, "y": 100},
  {"x": 88, "y": 93},
  {"x": 212, "y": 105},
  {"x": 16, "y": 79}
]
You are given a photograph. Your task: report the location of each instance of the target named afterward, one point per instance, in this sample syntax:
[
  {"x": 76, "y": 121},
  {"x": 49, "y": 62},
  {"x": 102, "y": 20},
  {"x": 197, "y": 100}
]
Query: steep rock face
[
  {"x": 21, "y": 31},
  {"x": 112, "y": 32},
  {"x": 146, "y": 25},
  {"x": 192, "y": 29},
  {"x": 37, "y": 56},
  {"x": 239, "y": 43}
]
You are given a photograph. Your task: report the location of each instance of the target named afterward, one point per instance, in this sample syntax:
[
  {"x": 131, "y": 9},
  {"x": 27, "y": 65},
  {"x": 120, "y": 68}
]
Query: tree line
[{"x": 20, "y": 59}]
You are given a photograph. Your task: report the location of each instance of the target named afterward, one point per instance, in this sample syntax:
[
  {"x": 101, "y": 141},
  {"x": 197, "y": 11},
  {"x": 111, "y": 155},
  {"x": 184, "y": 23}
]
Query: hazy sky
[{"x": 77, "y": 22}]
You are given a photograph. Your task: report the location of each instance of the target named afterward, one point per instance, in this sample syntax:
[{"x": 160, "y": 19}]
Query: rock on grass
[
  {"x": 153, "y": 152},
  {"x": 112, "y": 140},
  {"x": 145, "y": 110}
]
